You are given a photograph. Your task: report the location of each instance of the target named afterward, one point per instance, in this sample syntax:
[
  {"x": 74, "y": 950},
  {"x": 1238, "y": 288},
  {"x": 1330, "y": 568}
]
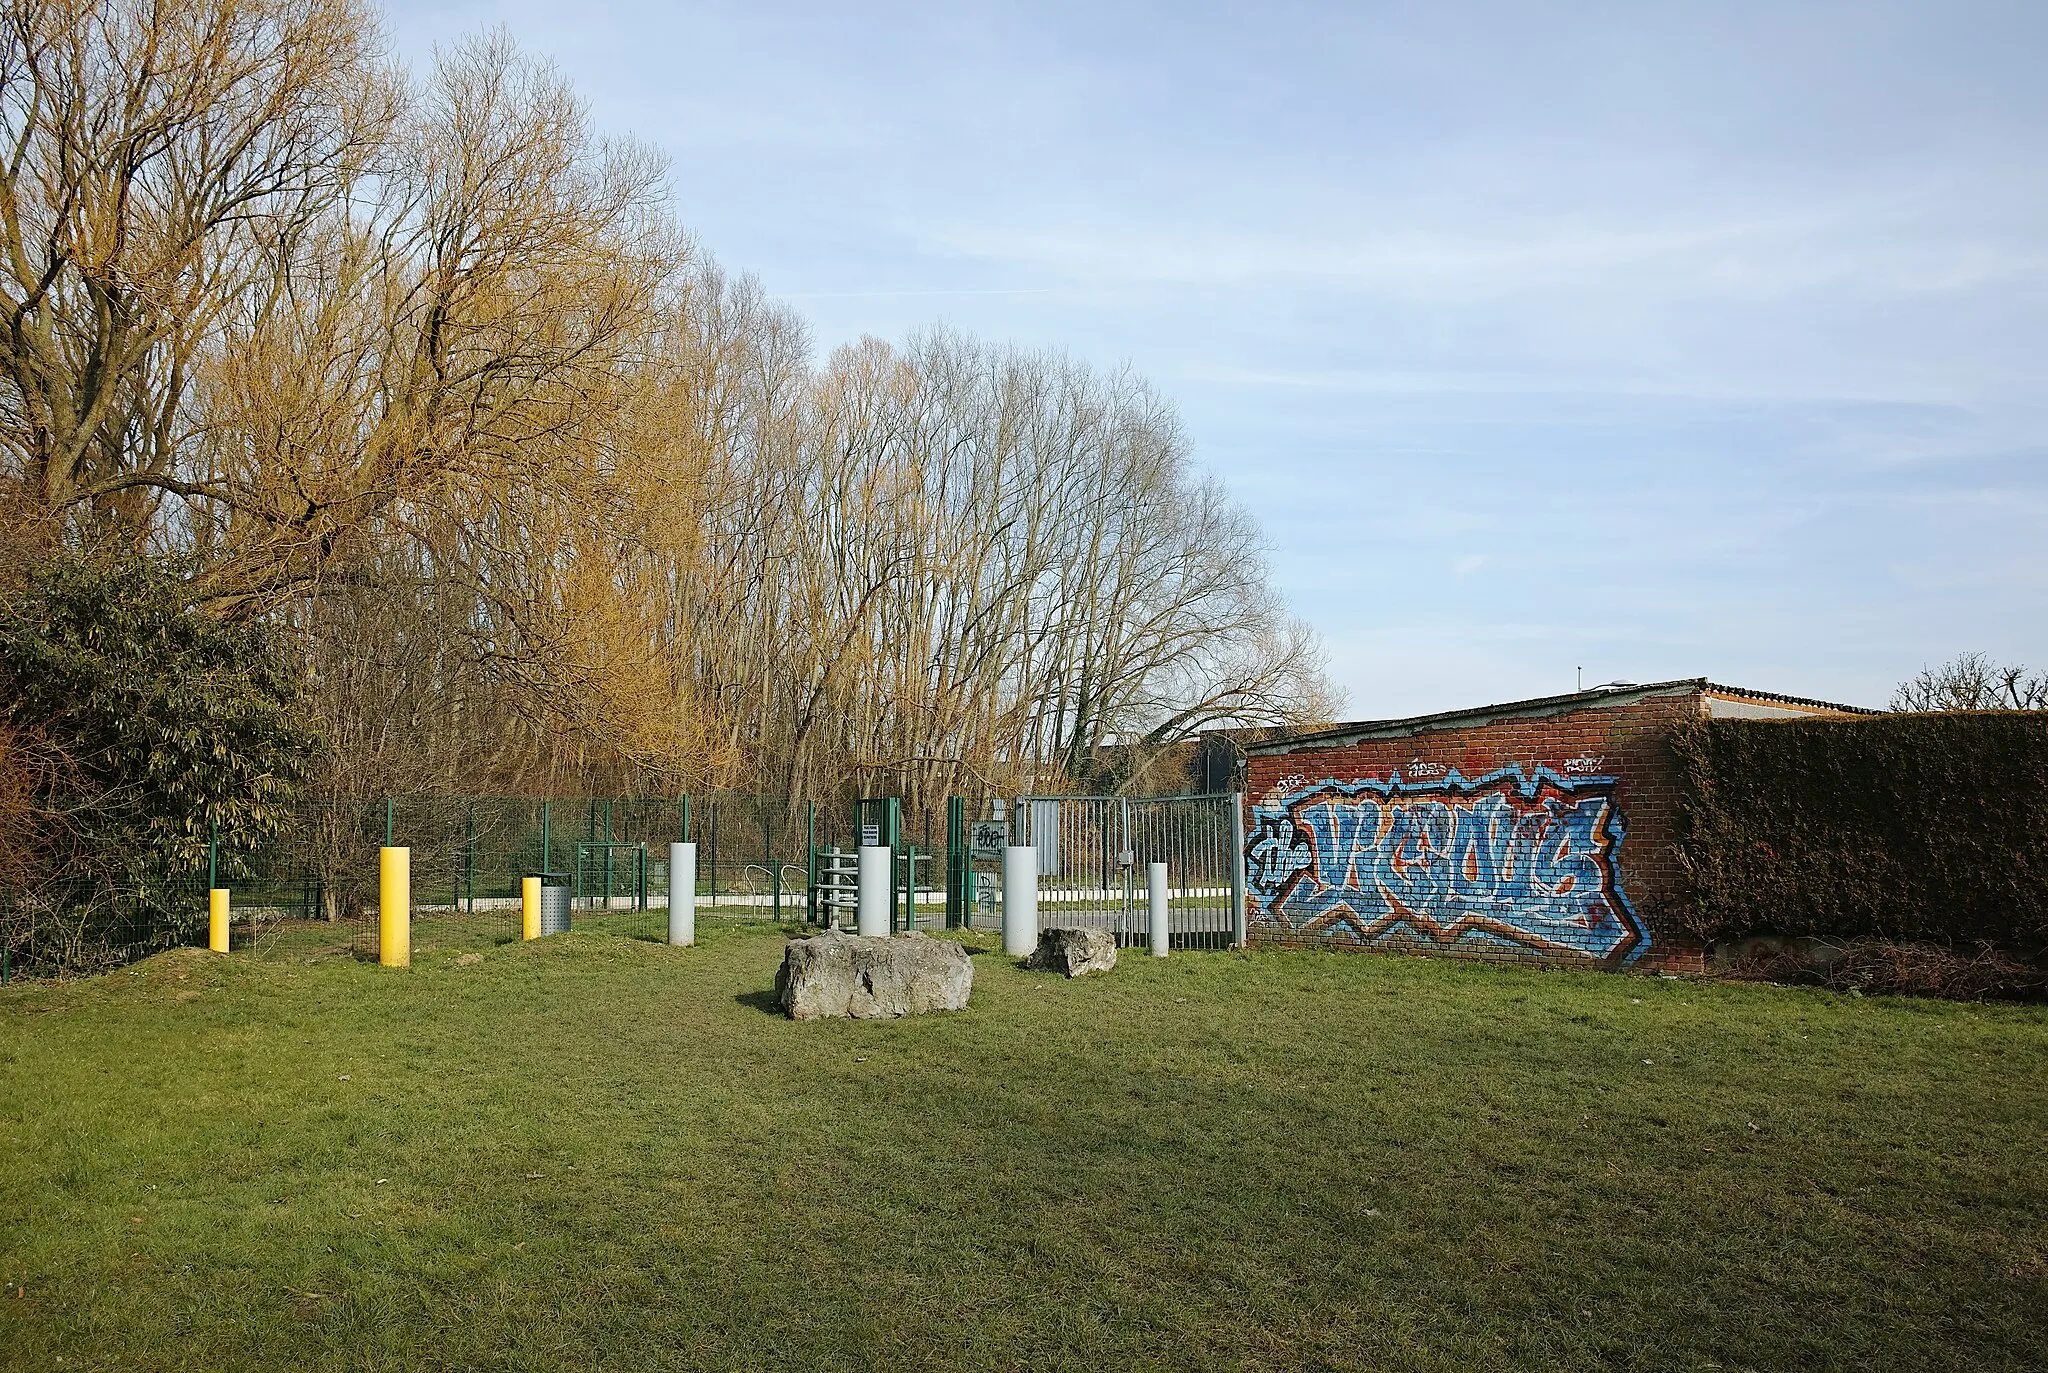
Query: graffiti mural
[{"x": 1508, "y": 861}]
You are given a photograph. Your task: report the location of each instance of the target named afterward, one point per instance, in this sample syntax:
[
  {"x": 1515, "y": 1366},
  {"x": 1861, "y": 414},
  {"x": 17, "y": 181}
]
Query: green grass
[{"x": 599, "y": 1152}]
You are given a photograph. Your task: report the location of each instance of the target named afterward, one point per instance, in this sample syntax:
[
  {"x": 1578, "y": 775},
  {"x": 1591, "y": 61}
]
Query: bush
[
  {"x": 1879, "y": 967},
  {"x": 155, "y": 722},
  {"x": 1904, "y": 828}
]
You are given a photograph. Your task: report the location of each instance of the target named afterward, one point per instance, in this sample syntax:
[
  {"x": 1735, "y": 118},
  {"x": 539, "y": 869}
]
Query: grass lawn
[{"x": 599, "y": 1152}]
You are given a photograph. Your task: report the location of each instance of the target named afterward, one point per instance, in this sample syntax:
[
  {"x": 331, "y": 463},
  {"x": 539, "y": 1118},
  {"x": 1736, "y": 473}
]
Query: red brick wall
[{"x": 1629, "y": 744}]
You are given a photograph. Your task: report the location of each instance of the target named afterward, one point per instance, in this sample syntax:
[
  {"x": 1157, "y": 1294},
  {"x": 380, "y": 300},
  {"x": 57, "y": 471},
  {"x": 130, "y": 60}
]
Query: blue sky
[{"x": 1660, "y": 340}]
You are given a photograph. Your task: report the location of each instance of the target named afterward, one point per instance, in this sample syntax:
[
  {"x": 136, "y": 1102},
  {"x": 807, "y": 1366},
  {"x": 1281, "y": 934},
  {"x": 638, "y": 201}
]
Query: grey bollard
[
  {"x": 871, "y": 915},
  {"x": 1020, "y": 900},
  {"x": 1155, "y": 898},
  {"x": 682, "y": 894}
]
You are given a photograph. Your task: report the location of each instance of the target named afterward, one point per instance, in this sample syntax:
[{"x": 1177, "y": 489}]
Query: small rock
[{"x": 1074, "y": 952}]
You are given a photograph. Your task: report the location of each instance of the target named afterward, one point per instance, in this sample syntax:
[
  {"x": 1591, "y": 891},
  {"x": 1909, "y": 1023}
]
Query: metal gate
[{"x": 1093, "y": 853}]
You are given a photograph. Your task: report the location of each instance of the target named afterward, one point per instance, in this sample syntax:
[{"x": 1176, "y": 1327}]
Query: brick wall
[{"x": 1546, "y": 838}]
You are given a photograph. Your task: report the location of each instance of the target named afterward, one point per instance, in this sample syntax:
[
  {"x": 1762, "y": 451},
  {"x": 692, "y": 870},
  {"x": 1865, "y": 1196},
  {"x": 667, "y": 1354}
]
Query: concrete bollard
[
  {"x": 529, "y": 908},
  {"x": 871, "y": 915},
  {"x": 394, "y": 907},
  {"x": 217, "y": 919},
  {"x": 1020, "y": 900},
  {"x": 1155, "y": 900},
  {"x": 682, "y": 894}
]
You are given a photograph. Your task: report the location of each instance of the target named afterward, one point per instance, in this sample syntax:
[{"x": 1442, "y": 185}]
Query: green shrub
[
  {"x": 159, "y": 723},
  {"x": 1916, "y": 828}
]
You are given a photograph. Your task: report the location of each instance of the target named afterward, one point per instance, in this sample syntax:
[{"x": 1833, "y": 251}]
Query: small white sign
[
  {"x": 870, "y": 835},
  {"x": 988, "y": 838},
  {"x": 985, "y": 891}
]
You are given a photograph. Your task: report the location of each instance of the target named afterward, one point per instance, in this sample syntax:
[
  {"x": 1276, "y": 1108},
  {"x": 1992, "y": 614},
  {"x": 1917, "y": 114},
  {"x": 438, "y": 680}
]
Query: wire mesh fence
[
  {"x": 469, "y": 855},
  {"x": 758, "y": 858},
  {"x": 69, "y": 925}
]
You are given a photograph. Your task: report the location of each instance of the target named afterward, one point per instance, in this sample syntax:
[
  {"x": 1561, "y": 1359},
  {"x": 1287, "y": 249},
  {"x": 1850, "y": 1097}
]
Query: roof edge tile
[{"x": 1600, "y": 697}]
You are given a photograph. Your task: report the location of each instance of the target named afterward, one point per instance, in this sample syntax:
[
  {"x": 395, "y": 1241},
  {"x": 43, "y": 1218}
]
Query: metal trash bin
[{"x": 554, "y": 902}]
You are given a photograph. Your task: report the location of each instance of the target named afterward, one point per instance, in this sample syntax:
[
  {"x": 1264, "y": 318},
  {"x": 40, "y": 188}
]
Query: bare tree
[
  {"x": 958, "y": 563},
  {"x": 1973, "y": 681},
  {"x": 426, "y": 374},
  {"x": 160, "y": 159}
]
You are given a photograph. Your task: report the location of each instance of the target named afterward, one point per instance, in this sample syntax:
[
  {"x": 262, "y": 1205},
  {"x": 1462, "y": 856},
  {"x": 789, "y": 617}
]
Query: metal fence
[
  {"x": 756, "y": 857},
  {"x": 469, "y": 854},
  {"x": 74, "y": 924},
  {"x": 1093, "y": 853}
]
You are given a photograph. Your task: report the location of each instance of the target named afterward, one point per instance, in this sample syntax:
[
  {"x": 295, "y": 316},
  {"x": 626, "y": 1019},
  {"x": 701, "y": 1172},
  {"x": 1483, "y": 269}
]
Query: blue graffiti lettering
[{"x": 1509, "y": 860}]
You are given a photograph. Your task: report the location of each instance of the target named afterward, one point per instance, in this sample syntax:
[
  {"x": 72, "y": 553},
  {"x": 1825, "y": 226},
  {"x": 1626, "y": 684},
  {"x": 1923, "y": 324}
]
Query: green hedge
[{"x": 1907, "y": 827}]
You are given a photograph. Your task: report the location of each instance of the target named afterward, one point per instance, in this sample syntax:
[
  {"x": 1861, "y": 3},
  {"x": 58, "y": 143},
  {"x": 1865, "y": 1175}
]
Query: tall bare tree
[
  {"x": 425, "y": 373},
  {"x": 1973, "y": 681},
  {"x": 161, "y": 159}
]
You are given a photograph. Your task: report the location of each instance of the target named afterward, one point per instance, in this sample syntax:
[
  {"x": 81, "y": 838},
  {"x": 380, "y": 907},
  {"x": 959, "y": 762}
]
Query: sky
[{"x": 1547, "y": 342}]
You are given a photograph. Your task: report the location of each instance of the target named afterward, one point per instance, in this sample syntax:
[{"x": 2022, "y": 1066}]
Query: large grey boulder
[
  {"x": 1074, "y": 952},
  {"x": 839, "y": 974}
]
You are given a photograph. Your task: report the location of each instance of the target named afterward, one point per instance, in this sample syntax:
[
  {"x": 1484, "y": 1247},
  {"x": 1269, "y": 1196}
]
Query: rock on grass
[
  {"x": 1074, "y": 952},
  {"x": 838, "y": 974}
]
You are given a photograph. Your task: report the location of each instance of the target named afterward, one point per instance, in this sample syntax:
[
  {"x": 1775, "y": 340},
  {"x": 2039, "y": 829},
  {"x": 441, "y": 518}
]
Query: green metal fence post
[
  {"x": 910, "y": 890},
  {"x": 469, "y": 860},
  {"x": 389, "y": 824},
  {"x": 894, "y": 838},
  {"x": 546, "y": 850},
  {"x": 811, "y": 862},
  {"x": 955, "y": 824}
]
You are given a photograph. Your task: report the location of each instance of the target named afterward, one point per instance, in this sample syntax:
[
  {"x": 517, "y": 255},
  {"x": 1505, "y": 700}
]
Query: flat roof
[{"x": 1605, "y": 697}]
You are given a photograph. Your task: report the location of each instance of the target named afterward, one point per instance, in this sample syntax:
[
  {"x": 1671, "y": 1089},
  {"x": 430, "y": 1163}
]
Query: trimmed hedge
[{"x": 1929, "y": 828}]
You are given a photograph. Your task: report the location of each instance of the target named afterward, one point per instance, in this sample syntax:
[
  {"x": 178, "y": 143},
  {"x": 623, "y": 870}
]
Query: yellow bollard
[
  {"x": 394, "y": 907},
  {"x": 217, "y": 919},
  {"x": 529, "y": 906}
]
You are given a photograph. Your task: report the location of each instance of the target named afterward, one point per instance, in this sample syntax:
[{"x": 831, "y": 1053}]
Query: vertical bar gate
[{"x": 1092, "y": 857}]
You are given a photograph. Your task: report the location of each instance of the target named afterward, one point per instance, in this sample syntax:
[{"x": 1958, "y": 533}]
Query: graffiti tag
[{"x": 1520, "y": 863}]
